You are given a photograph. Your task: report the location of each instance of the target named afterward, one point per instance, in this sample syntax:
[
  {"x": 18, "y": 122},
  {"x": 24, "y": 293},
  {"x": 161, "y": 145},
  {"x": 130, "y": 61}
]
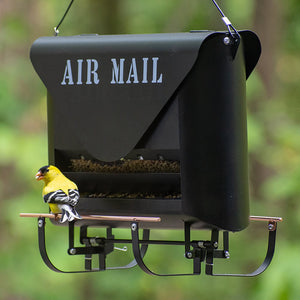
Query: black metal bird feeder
[{"x": 152, "y": 128}]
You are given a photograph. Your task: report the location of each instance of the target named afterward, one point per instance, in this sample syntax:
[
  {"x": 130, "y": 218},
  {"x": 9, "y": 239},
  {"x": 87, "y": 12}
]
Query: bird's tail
[{"x": 68, "y": 213}]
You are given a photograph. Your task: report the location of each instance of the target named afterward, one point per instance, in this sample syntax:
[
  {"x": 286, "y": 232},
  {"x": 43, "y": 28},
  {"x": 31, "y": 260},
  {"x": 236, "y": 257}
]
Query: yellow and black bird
[{"x": 59, "y": 192}]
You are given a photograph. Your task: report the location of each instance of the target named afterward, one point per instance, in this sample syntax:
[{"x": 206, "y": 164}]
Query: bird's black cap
[{"x": 44, "y": 169}]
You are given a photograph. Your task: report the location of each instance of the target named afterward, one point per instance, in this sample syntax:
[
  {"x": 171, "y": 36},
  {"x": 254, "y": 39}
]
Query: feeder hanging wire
[
  {"x": 226, "y": 21},
  {"x": 56, "y": 31}
]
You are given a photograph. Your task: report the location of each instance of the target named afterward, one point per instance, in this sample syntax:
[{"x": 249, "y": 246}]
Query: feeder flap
[{"x": 107, "y": 90}]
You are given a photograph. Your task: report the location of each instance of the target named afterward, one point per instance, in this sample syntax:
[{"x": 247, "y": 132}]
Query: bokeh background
[{"x": 273, "y": 93}]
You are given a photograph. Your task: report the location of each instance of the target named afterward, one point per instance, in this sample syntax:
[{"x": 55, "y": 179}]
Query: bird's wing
[
  {"x": 73, "y": 196},
  {"x": 60, "y": 197}
]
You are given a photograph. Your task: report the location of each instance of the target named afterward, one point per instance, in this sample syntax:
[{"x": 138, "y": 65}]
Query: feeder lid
[{"x": 116, "y": 85}]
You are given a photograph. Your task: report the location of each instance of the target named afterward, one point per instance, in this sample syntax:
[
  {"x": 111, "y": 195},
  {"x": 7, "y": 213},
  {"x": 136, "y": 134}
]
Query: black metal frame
[
  {"x": 93, "y": 245},
  {"x": 199, "y": 251}
]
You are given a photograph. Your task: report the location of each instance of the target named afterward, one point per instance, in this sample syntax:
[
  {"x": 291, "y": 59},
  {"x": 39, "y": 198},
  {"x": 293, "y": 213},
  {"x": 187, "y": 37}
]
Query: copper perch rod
[
  {"x": 96, "y": 217},
  {"x": 263, "y": 218},
  {"x": 130, "y": 218}
]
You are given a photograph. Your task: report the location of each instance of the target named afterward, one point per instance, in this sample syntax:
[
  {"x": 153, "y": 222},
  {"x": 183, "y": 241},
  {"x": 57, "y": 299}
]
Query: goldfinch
[{"x": 59, "y": 192}]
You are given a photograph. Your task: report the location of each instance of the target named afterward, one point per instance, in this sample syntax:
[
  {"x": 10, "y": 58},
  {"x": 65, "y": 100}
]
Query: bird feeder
[{"x": 152, "y": 128}]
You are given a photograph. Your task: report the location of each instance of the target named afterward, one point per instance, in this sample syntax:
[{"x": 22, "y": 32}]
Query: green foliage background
[{"x": 274, "y": 143}]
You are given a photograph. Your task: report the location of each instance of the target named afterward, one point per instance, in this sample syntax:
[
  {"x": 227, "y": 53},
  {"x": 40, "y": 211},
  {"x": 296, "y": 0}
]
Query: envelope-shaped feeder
[{"x": 152, "y": 127}]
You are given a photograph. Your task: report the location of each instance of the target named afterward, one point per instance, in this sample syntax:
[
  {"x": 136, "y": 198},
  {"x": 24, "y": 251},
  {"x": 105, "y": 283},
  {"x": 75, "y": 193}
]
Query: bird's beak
[{"x": 39, "y": 175}]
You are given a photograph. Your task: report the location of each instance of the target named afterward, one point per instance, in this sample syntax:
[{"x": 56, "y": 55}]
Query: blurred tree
[
  {"x": 109, "y": 16},
  {"x": 268, "y": 25}
]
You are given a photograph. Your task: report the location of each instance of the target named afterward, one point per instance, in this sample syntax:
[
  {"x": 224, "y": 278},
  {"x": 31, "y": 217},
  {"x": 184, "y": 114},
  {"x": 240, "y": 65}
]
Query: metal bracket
[
  {"x": 100, "y": 246},
  {"x": 272, "y": 226},
  {"x": 208, "y": 250},
  {"x": 200, "y": 250},
  {"x": 197, "y": 256}
]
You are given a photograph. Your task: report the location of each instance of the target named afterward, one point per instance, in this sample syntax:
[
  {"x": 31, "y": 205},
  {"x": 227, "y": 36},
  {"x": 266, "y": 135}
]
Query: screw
[
  {"x": 226, "y": 40},
  {"x": 226, "y": 254},
  {"x": 72, "y": 251},
  {"x": 133, "y": 226},
  {"x": 189, "y": 254},
  {"x": 271, "y": 227},
  {"x": 40, "y": 223},
  {"x": 201, "y": 244}
]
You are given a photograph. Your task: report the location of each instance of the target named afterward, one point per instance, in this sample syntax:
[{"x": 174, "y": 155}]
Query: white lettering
[
  {"x": 154, "y": 71},
  {"x": 135, "y": 70},
  {"x": 132, "y": 72},
  {"x": 68, "y": 74},
  {"x": 117, "y": 71},
  {"x": 145, "y": 67},
  {"x": 89, "y": 71},
  {"x": 79, "y": 75}
]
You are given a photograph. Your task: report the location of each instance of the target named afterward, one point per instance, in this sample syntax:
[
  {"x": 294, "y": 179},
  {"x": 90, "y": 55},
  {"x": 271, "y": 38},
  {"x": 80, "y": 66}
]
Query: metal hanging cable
[
  {"x": 226, "y": 21},
  {"x": 56, "y": 31}
]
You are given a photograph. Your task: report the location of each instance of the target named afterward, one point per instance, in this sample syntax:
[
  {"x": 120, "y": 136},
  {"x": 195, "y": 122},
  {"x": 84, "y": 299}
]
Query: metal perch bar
[
  {"x": 131, "y": 218},
  {"x": 96, "y": 217},
  {"x": 263, "y": 218}
]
